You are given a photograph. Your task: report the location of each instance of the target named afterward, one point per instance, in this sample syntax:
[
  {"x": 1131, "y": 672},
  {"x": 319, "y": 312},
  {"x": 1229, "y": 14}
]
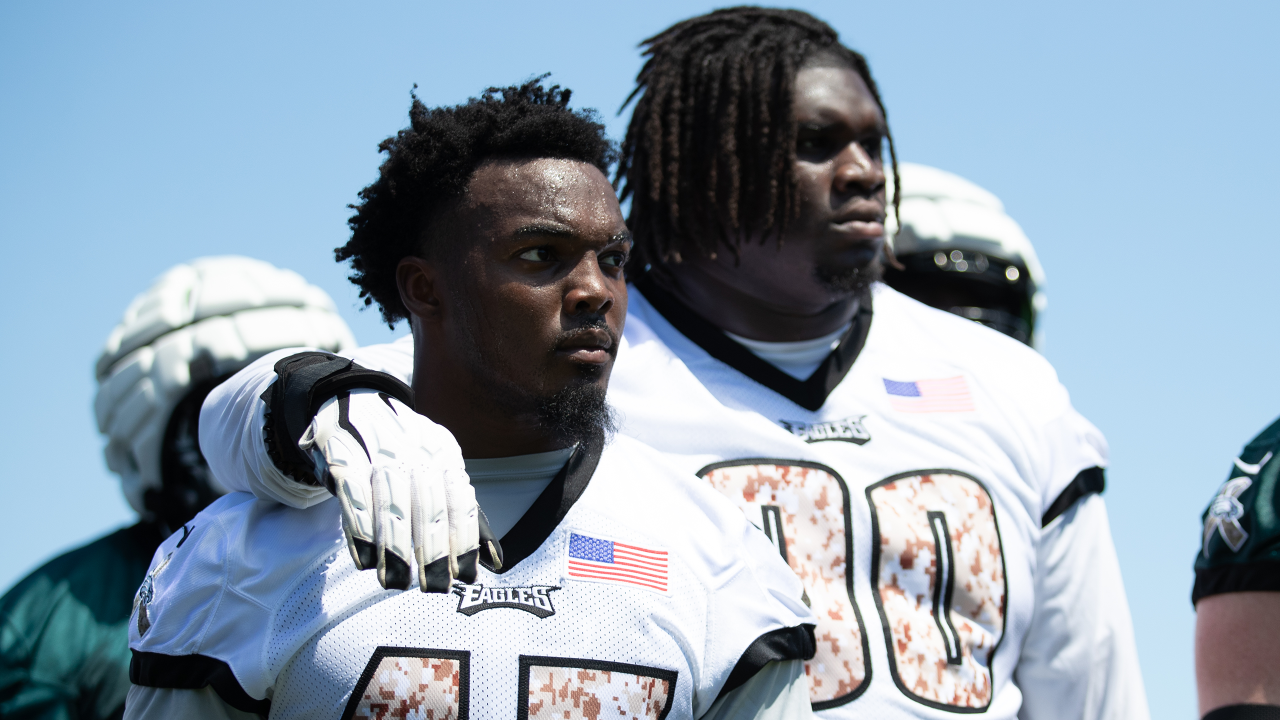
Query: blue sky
[{"x": 1134, "y": 142}]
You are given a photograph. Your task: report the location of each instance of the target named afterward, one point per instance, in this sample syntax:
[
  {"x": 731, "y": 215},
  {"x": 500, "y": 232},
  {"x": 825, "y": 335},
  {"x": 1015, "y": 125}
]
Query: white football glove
[{"x": 403, "y": 488}]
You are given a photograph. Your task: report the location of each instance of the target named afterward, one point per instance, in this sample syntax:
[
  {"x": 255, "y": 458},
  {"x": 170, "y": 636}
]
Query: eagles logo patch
[
  {"x": 849, "y": 430},
  {"x": 146, "y": 593},
  {"x": 1225, "y": 513},
  {"x": 533, "y": 599}
]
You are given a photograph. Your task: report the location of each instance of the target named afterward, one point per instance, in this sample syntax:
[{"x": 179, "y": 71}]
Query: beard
[
  {"x": 578, "y": 414},
  {"x": 848, "y": 280}
]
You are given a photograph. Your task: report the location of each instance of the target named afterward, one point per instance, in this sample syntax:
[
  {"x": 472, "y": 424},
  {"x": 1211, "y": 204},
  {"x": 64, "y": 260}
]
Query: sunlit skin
[
  {"x": 543, "y": 244},
  {"x": 773, "y": 293},
  {"x": 1238, "y": 649}
]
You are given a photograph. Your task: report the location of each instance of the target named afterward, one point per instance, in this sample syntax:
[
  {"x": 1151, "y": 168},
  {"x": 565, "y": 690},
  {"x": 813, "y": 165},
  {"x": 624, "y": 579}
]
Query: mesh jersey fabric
[
  {"x": 64, "y": 645},
  {"x": 938, "y": 451},
  {"x": 1240, "y": 542},
  {"x": 941, "y": 429},
  {"x": 271, "y": 592}
]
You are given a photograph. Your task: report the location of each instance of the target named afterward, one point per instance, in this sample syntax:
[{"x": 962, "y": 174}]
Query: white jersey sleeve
[
  {"x": 231, "y": 424},
  {"x": 148, "y": 703},
  {"x": 777, "y": 692},
  {"x": 1079, "y": 660},
  {"x": 207, "y": 610}
]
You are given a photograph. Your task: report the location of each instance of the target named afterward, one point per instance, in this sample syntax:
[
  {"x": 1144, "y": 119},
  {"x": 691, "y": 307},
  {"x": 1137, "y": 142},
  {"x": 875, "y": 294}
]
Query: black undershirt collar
[{"x": 809, "y": 394}]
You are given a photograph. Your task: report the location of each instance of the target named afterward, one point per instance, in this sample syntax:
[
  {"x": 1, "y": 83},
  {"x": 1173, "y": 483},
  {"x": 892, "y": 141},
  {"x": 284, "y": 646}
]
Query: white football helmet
[
  {"x": 200, "y": 322},
  {"x": 962, "y": 253}
]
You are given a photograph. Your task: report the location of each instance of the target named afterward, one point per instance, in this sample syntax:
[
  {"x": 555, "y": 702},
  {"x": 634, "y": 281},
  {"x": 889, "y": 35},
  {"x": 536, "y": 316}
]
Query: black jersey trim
[
  {"x": 788, "y": 643},
  {"x": 1087, "y": 482},
  {"x": 193, "y": 672},
  {"x": 809, "y": 394},
  {"x": 1244, "y": 712},
  {"x": 546, "y": 513},
  {"x": 846, "y": 504},
  {"x": 1258, "y": 576},
  {"x": 383, "y": 652},
  {"x": 305, "y": 381},
  {"x": 528, "y": 662},
  {"x": 884, "y": 617}
]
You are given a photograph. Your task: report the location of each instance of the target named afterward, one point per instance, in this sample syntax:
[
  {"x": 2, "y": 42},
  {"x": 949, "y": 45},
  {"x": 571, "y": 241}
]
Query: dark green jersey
[
  {"x": 1240, "y": 550},
  {"x": 64, "y": 639}
]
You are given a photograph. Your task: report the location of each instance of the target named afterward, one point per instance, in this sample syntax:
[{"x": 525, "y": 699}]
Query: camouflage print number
[
  {"x": 423, "y": 684},
  {"x": 937, "y": 569},
  {"x": 804, "y": 509},
  {"x": 411, "y": 683},
  {"x": 552, "y": 687}
]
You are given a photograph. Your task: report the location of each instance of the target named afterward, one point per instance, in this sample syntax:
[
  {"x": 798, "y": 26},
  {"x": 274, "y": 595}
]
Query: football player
[
  {"x": 926, "y": 477},
  {"x": 624, "y": 587},
  {"x": 65, "y": 652},
  {"x": 1237, "y": 589},
  {"x": 958, "y": 251}
]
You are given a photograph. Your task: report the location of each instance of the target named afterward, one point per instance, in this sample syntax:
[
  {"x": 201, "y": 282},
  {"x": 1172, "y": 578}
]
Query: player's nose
[
  {"x": 587, "y": 290},
  {"x": 857, "y": 171}
]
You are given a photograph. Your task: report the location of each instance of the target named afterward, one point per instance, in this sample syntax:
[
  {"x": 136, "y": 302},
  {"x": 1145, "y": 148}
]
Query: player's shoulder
[
  {"x": 649, "y": 479},
  {"x": 394, "y": 358},
  {"x": 229, "y": 569},
  {"x": 647, "y": 492},
  {"x": 1003, "y": 368},
  {"x": 1240, "y": 541}
]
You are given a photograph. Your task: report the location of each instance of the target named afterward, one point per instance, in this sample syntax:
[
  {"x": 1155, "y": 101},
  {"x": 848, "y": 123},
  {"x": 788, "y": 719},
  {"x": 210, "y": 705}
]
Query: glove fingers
[
  {"x": 490, "y": 549},
  {"x": 464, "y": 528},
  {"x": 431, "y": 530},
  {"x": 352, "y": 488},
  {"x": 391, "y": 502}
]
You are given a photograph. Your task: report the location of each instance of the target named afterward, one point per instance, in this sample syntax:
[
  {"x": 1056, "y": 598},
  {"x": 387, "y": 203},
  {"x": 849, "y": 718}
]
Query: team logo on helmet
[
  {"x": 849, "y": 430},
  {"x": 533, "y": 599}
]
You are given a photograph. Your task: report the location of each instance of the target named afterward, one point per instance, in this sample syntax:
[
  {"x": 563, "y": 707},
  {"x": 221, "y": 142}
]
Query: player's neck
[
  {"x": 741, "y": 312},
  {"x": 482, "y": 428}
]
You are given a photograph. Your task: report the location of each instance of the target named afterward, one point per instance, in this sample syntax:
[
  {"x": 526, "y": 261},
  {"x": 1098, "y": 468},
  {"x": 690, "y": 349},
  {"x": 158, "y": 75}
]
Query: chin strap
[{"x": 304, "y": 382}]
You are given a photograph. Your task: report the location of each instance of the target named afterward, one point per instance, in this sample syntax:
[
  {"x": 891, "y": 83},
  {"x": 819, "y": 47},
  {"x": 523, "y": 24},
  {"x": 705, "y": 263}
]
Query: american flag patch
[
  {"x": 608, "y": 561},
  {"x": 930, "y": 396}
]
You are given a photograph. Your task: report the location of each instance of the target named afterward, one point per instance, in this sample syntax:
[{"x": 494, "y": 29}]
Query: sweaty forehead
[
  {"x": 827, "y": 93},
  {"x": 566, "y": 192}
]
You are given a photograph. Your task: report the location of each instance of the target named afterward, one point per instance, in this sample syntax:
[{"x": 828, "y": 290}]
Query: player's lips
[
  {"x": 862, "y": 220},
  {"x": 589, "y": 345}
]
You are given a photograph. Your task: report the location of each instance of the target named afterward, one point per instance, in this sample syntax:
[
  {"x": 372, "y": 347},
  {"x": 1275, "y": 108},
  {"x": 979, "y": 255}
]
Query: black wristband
[
  {"x": 1244, "y": 712},
  {"x": 304, "y": 382}
]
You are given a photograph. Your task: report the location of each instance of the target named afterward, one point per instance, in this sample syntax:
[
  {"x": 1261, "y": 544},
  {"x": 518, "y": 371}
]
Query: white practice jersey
[
  {"x": 919, "y": 494},
  {"x": 630, "y": 590},
  {"x": 930, "y": 484}
]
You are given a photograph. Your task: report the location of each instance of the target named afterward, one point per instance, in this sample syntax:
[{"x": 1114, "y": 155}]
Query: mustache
[{"x": 588, "y": 328}]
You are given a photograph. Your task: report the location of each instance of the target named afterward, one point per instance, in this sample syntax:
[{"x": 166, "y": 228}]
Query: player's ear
[{"x": 420, "y": 290}]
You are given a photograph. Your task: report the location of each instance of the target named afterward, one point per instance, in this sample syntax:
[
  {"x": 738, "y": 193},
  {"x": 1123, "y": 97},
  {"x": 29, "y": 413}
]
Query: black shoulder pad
[{"x": 303, "y": 383}]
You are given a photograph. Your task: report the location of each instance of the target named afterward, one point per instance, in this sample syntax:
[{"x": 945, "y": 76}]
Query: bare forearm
[{"x": 1238, "y": 649}]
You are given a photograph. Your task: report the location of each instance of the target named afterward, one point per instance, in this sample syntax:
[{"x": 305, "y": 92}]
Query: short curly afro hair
[{"x": 431, "y": 163}]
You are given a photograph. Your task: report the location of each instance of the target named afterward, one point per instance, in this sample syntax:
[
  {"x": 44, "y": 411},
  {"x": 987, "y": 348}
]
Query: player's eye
[
  {"x": 613, "y": 259},
  {"x": 816, "y": 143},
  {"x": 538, "y": 254},
  {"x": 874, "y": 146},
  {"x": 810, "y": 144}
]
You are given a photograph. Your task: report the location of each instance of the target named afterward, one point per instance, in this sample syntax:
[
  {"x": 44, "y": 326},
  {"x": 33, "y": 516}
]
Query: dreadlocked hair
[
  {"x": 430, "y": 163},
  {"x": 709, "y": 154}
]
